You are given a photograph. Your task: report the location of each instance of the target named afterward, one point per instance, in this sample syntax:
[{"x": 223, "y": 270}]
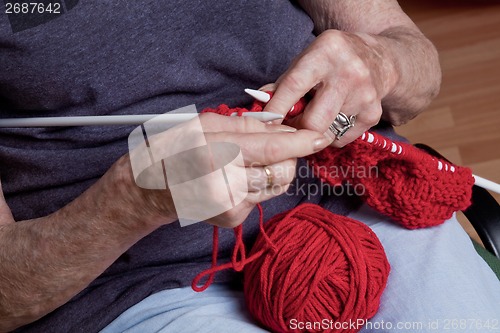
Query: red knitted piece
[
  {"x": 225, "y": 110},
  {"x": 257, "y": 106},
  {"x": 408, "y": 185},
  {"x": 399, "y": 180},
  {"x": 321, "y": 265}
]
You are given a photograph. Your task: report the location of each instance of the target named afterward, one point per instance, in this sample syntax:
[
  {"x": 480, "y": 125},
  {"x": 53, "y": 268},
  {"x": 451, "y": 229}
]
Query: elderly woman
[{"x": 83, "y": 248}]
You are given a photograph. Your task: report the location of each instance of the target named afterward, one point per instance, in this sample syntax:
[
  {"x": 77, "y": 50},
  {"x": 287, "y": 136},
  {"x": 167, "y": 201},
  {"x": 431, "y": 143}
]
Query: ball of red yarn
[{"x": 321, "y": 266}]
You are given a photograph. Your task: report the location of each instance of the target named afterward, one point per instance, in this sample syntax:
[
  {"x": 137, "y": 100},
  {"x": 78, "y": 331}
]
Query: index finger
[
  {"x": 291, "y": 87},
  {"x": 270, "y": 148}
]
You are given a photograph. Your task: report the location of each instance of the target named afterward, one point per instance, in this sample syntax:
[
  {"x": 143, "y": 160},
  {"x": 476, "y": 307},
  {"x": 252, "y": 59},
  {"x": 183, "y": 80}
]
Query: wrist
[
  {"x": 385, "y": 72},
  {"x": 151, "y": 208}
]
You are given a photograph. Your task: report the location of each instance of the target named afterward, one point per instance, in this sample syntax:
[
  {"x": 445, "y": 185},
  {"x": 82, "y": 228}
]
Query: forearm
[
  {"x": 405, "y": 60},
  {"x": 46, "y": 261}
]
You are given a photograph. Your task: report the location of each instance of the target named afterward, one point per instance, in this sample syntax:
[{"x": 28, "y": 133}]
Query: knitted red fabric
[
  {"x": 225, "y": 110},
  {"x": 257, "y": 106},
  {"x": 398, "y": 180},
  {"x": 322, "y": 266}
]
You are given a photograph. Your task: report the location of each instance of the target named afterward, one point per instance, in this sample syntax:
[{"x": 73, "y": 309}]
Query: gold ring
[{"x": 269, "y": 175}]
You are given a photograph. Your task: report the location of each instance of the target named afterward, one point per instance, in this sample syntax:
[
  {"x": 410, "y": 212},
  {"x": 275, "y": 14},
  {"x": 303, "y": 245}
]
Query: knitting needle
[
  {"x": 264, "y": 97},
  {"x": 121, "y": 119},
  {"x": 486, "y": 184},
  {"x": 261, "y": 96}
]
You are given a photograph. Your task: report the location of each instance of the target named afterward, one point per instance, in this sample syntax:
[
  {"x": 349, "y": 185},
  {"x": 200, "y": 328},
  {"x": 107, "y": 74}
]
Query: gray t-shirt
[{"x": 112, "y": 57}]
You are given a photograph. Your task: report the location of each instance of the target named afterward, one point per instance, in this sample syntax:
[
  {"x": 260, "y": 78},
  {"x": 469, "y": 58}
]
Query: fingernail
[
  {"x": 281, "y": 128},
  {"x": 321, "y": 143}
]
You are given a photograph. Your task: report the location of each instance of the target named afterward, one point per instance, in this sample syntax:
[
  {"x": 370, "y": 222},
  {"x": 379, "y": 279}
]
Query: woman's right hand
[{"x": 263, "y": 146}]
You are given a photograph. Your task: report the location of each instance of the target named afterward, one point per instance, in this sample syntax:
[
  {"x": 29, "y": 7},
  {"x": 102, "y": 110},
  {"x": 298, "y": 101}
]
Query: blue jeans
[{"x": 438, "y": 283}]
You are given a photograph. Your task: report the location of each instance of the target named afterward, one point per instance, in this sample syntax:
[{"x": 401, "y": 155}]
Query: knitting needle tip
[
  {"x": 486, "y": 184},
  {"x": 261, "y": 96}
]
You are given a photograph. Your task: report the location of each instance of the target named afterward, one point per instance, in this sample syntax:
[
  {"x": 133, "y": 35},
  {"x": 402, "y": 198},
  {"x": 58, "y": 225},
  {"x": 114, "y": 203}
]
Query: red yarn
[
  {"x": 322, "y": 266},
  {"x": 309, "y": 264},
  {"x": 399, "y": 180},
  {"x": 257, "y": 106},
  {"x": 239, "y": 252},
  {"x": 408, "y": 185},
  {"x": 225, "y": 110}
]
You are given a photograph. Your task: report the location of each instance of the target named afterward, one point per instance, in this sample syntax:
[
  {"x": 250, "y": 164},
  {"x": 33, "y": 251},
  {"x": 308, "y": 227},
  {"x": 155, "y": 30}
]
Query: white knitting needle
[
  {"x": 264, "y": 97},
  {"x": 261, "y": 96},
  {"x": 121, "y": 119},
  {"x": 486, "y": 184}
]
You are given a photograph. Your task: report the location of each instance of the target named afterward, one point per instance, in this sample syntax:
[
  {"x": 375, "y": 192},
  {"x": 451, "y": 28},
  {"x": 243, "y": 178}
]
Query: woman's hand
[
  {"x": 368, "y": 54},
  {"x": 269, "y": 157},
  {"x": 343, "y": 73}
]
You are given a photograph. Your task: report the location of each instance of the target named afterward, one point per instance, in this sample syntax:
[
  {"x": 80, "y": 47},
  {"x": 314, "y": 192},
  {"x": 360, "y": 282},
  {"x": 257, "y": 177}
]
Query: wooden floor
[{"x": 463, "y": 123}]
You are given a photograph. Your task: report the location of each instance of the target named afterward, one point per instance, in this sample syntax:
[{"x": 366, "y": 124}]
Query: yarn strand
[{"x": 238, "y": 258}]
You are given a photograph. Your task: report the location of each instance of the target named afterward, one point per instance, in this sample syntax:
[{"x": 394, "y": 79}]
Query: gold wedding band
[{"x": 269, "y": 175}]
